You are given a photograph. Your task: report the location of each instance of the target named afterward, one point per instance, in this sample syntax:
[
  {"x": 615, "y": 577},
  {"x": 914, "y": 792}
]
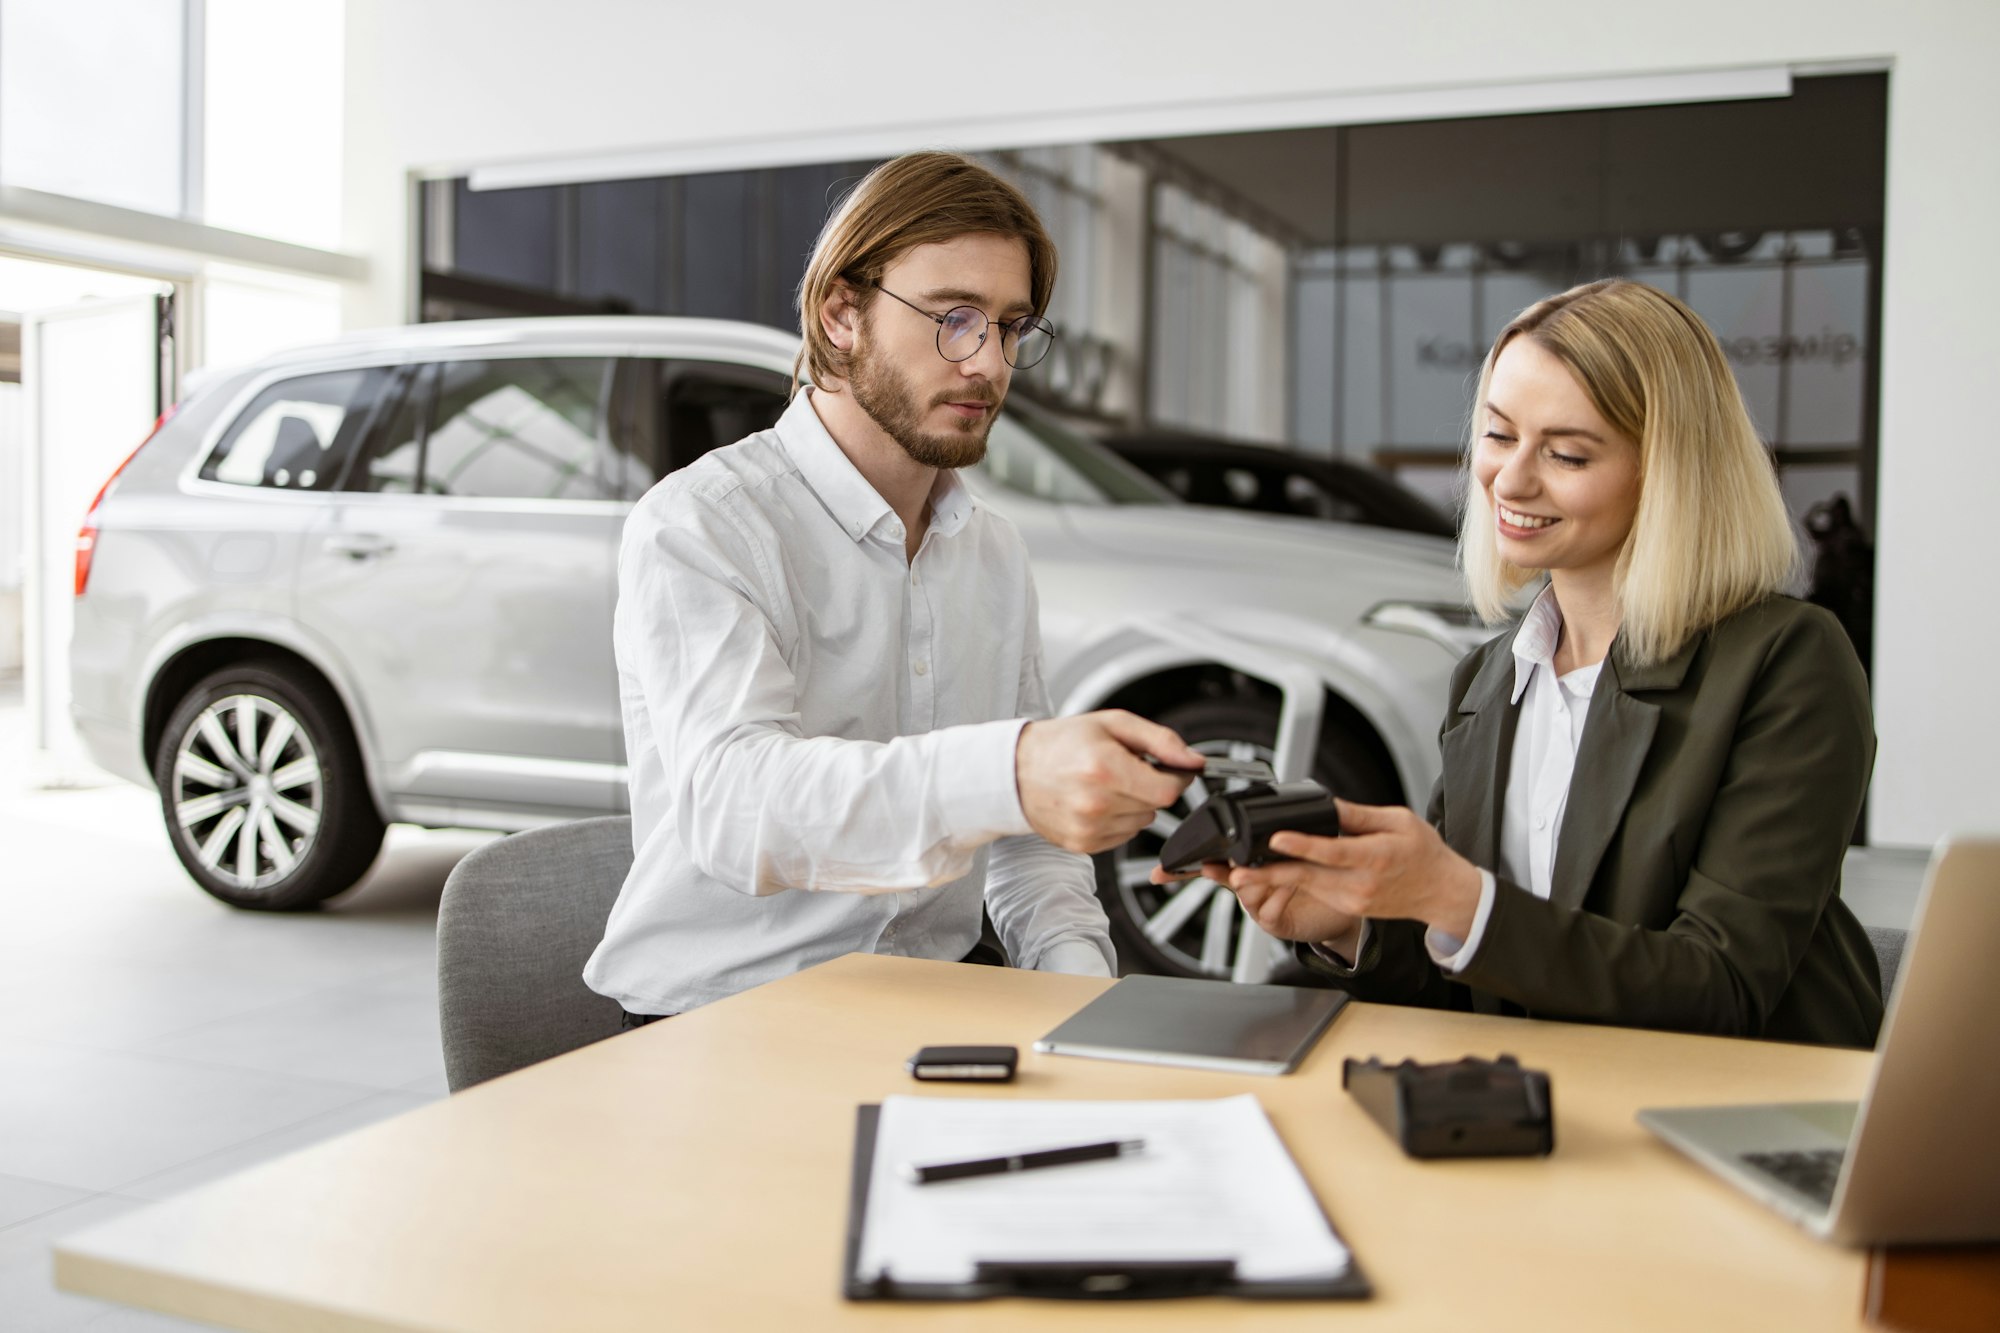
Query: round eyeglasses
[{"x": 962, "y": 332}]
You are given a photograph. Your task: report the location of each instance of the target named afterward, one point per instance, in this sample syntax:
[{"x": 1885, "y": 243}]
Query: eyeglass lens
[{"x": 1023, "y": 341}]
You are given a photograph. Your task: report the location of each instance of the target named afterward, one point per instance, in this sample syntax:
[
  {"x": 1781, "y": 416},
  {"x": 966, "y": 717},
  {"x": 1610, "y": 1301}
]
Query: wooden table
[{"x": 694, "y": 1175}]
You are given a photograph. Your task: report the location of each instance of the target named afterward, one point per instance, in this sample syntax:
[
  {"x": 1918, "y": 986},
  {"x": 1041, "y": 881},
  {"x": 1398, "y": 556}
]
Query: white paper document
[{"x": 1213, "y": 1182}]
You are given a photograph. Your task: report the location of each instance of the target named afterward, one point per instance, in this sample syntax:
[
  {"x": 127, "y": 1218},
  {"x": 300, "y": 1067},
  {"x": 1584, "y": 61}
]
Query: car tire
[
  {"x": 280, "y": 828},
  {"x": 1185, "y": 929}
]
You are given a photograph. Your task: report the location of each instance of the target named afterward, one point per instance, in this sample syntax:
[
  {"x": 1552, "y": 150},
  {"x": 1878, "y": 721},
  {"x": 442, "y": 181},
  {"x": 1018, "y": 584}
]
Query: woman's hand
[
  {"x": 1388, "y": 862},
  {"x": 1279, "y": 911}
]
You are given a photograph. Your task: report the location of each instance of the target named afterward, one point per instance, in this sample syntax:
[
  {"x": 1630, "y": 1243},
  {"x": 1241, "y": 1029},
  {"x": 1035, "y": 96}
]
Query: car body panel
[{"x": 482, "y": 629}]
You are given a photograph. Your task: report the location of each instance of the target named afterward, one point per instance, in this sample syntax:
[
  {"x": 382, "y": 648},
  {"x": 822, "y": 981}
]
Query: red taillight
[{"x": 86, "y": 536}]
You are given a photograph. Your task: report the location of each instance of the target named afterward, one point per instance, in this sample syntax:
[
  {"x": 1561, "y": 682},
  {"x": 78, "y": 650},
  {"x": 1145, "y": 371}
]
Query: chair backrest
[
  {"x": 518, "y": 919},
  {"x": 1888, "y": 942}
]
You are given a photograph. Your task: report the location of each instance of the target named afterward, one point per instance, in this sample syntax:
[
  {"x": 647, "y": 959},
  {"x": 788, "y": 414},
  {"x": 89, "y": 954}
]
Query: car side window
[
  {"x": 526, "y": 428},
  {"x": 668, "y": 413},
  {"x": 297, "y": 434}
]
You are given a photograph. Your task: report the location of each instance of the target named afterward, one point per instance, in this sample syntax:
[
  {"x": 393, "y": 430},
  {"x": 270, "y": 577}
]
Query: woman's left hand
[{"x": 1388, "y": 863}]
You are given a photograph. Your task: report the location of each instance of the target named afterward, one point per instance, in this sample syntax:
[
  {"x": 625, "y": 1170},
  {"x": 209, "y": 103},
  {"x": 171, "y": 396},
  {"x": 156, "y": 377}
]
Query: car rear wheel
[
  {"x": 1196, "y": 928},
  {"x": 261, "y": 785}
]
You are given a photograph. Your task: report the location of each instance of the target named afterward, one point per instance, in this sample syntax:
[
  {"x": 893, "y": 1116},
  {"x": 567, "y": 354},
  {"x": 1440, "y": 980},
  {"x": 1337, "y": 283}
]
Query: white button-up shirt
[
  {"x": 1546, "y": 740},
  {"x": 821, "y": 731}
]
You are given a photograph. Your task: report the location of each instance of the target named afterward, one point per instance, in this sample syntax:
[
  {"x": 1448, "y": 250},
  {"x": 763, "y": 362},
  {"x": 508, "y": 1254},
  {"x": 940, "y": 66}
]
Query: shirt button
[
  {"x": 922, "y": 668},
  {"x": 1541, "y": 821}
]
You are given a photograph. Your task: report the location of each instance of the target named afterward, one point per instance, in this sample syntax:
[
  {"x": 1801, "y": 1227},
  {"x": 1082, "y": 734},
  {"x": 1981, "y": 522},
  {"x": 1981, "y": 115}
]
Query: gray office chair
[
  {"x": 517, "y": 921},
  {"x": 1888, "y": 942}
]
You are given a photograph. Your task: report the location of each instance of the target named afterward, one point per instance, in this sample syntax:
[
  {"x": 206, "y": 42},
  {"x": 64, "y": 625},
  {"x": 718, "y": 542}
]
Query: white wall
[
  {"x": 452, "y": 84},
  {"x": 13, "y": 527}
]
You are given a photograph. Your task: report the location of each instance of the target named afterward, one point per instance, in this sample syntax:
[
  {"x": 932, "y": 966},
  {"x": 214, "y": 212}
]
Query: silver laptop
[
  {"x": 1918, "y": 1158},
  {"x": 1241, "y": 1029}
]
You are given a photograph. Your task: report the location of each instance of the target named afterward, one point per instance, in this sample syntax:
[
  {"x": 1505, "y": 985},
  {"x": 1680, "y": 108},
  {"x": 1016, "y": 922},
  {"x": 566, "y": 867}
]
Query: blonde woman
[{"x": 1649, "y": 785}]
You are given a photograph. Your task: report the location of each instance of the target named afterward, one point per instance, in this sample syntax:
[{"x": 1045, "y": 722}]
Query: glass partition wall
[{"x": 1325, "y": 290}]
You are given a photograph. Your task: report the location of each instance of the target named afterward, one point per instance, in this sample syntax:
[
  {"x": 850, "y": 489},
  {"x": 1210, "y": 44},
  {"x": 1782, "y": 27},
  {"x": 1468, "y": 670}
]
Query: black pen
[{"x": 1026, "y": 1161}]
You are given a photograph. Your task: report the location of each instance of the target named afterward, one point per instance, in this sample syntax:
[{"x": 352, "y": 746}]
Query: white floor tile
[
  {"x": 93, "y": 1119},
  {"x": 253, "y": 1152},
  {"x": 125, "y": 1005},
  {"x": 353, "y": 1035},
  {"x": 431, "y": 1085},
  {"x": 22, "y": 1199}
]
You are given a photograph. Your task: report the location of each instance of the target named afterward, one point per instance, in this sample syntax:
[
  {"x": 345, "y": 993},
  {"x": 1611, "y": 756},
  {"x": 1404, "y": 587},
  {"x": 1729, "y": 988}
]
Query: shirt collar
[
  {"x": 1535, "y": 642},
  {"x": 1535, "y": 646},
  {"x": 855, "y": 504}
]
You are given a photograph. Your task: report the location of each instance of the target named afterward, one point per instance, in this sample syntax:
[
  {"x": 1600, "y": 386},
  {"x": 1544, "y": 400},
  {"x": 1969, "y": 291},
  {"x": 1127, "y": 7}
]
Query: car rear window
[{"x": 297, "y": 433}]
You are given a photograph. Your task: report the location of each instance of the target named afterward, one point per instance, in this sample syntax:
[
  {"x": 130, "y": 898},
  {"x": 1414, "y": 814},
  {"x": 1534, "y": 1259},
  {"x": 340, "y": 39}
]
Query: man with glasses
[{"x": 828, "y": 653}]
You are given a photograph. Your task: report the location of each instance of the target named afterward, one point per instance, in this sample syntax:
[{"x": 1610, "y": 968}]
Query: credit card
[{"x": 1224, "y": 770}]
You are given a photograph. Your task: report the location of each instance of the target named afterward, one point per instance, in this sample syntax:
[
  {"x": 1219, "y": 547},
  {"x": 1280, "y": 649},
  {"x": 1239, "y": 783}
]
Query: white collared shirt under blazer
[
  {"x": 1546, "y": 741},
  {"x": 821, "y": 732}
]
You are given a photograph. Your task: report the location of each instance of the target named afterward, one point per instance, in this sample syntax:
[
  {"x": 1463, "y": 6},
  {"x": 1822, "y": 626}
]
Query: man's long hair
[{"x": 918, "y": 199}]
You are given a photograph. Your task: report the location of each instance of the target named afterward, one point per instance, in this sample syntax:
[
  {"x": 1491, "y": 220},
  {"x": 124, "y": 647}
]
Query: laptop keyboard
[{"x": 1812, "y": 1174}]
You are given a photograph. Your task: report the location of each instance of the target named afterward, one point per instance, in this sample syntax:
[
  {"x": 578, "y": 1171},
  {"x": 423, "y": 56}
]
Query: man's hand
[
  {"x": 1389, "y": 862},
  {"x": 1084, "y": 785}
]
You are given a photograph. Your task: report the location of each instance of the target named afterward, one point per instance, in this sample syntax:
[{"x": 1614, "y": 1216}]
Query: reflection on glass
[
  {"x": 527, "y": 429},
  {"x": 1031, "y": 452},
  {"x": 1402, "y": 330}
]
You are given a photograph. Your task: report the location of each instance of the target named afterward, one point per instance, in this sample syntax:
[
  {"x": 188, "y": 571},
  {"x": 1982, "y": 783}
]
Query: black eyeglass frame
[{"x": 1019, "y": 326}]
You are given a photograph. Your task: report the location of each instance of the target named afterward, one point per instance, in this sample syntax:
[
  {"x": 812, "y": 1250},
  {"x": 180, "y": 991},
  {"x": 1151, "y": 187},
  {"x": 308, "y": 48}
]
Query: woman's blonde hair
[
  {"x": 918, "y": 199},
  {"x": 1711, "y": 534}
]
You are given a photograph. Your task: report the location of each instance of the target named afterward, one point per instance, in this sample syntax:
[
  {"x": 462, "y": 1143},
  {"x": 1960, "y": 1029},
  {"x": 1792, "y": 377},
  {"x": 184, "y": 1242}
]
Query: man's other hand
[{"x": 1084, "y": 783}]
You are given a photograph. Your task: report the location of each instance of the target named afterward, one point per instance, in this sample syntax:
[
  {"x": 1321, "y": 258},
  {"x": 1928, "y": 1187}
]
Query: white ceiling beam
[
  {"x": 1167, "y": 120},
  {"x": 101, "y": 223}
]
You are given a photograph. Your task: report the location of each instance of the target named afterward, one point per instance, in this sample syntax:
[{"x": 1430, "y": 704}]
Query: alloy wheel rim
[
  {"x": 248, "y": 792},
  {"x": 1197, "y": 924}
]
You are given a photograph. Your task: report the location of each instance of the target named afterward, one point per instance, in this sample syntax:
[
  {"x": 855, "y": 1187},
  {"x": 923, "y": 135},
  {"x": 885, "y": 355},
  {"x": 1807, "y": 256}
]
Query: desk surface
[{"x": 694, "y": 1174}]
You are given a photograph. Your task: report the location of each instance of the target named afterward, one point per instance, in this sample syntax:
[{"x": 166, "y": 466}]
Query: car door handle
[{"x": 359, "y": 545}]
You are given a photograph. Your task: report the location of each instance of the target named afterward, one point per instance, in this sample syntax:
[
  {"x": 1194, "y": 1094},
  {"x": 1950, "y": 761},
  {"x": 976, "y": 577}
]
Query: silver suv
[{"x": 372, "y": 581}]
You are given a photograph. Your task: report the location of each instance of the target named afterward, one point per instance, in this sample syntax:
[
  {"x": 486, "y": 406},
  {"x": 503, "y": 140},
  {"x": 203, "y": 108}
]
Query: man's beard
[{"x": 892, "y": 404}]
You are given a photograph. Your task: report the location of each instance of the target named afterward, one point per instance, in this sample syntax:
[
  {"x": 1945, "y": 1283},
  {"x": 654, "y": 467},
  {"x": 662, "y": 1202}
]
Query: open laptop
[{"x": 1917, "y": 1160}]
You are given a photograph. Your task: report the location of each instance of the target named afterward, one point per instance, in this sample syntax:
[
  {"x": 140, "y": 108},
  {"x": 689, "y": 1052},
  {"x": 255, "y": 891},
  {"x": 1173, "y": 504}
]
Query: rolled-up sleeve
[{"x": 1043, "y": 899}]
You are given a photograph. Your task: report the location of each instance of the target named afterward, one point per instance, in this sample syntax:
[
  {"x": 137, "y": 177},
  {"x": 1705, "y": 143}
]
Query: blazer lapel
[
  {"x": 1477, "y": 752},
  {"x": 1616, "y": 739}
]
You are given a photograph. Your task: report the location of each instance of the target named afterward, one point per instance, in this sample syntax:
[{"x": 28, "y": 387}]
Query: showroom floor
[{"x": 152, "y": 1040}]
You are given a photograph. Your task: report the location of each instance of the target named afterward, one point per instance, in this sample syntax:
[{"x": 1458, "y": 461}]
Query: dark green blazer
[{"x": 1696, "y": 883}]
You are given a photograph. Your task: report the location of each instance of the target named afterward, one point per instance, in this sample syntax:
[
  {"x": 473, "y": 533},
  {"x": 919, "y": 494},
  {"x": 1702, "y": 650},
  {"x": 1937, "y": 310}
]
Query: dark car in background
[{"x": 1206, "y": 470}]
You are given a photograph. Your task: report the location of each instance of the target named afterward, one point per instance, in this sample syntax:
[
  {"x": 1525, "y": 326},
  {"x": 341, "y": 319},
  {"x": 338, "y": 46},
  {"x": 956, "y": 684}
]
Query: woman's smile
[{"x": 1521, "y": 526}]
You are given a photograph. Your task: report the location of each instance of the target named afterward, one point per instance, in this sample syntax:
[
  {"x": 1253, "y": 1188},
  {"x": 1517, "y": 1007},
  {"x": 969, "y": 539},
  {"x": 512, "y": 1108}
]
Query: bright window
[
  {"x": 91, "y": 100},
  {"x": 271, "y": 126}
]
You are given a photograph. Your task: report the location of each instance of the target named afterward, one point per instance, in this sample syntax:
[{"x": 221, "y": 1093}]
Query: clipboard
[{"x": 1068, "y": 1279}]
